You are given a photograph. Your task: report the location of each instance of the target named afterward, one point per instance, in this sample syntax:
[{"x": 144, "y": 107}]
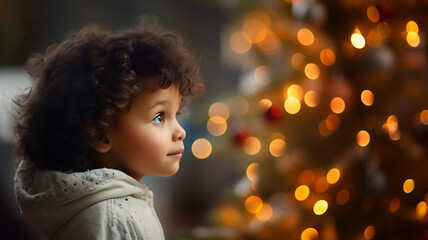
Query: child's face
[{"x": 148, "y": 140}]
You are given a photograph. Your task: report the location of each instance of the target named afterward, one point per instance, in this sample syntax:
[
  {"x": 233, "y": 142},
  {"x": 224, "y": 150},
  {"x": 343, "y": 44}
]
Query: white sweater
[{"x": 97, "y": 204}]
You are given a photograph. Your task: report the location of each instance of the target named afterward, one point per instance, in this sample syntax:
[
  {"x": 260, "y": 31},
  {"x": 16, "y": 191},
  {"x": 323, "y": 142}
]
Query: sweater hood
[{"x": 49, "y": 199}]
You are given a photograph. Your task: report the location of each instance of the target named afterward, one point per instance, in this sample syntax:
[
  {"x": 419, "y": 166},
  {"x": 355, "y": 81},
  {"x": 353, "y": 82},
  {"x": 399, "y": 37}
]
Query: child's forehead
[{"x": 149, "y": 96}]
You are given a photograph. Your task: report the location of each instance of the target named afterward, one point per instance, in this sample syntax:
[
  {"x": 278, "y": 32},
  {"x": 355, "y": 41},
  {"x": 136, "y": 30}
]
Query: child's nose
[{"x": 179, "y": 133}]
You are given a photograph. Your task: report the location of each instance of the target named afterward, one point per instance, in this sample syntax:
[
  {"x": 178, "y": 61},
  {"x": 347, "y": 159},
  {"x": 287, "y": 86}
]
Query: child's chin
[{"x": 170, "y": 172}]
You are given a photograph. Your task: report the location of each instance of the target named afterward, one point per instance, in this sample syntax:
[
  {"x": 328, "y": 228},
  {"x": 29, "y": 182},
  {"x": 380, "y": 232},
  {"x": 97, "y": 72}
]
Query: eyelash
[{"x": 162, "y": 115}]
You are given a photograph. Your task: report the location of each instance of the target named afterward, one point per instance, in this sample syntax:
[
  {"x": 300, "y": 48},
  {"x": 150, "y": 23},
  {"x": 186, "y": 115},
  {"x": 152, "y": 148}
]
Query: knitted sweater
[{"x": 97, "y": 204}]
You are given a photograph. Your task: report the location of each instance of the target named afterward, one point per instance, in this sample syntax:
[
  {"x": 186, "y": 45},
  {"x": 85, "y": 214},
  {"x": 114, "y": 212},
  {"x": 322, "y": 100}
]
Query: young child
[{"x": 101, "y": 115}]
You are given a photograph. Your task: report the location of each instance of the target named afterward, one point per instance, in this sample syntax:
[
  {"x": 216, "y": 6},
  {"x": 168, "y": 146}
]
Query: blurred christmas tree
[{"x": 329, "y": 122}]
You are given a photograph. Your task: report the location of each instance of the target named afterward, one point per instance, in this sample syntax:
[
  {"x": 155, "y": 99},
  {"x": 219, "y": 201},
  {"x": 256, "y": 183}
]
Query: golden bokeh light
[
  {"x": 337, "y": 105},
  {"x": 219, "y": 109},
  {"x": 413, "y": 39},
  {"x": 412, "y": 26},
  {"x": 268, "y": 42},
  {"x": 252, "y": 171},
  {"x": 309, "y": 234},
  {"x": 408, "y": 185},
  {"x": 421, "y": 209},
  {"x": 367, "y": 97},
  {"x": 240, "y": 42},
  {"x": 342, "y": 197},
  {"x": 373, "y": 14},
  {"x": 265, "y": 212},
  {"x": 327, "y": 57},
  {"x": 323, "y": 129},
  {"x": 374, "y": 38},
  {"x": 312, "y": 71},
  {"x": 363, "y": 138},
  {"x": 369, "y": 232},
  {"x": 357, "y": 39},
  {"x": 306, "y": 177},
  {"x": 311, "y": 98},
  {"x": 217, "y": 126},
  {"x": 265, "y": 103},
  {"x": 333, "y": 175},
  {"x": 292, "y": 105},
  {"x": 332, "y": 122},
  {"x": 394, "y": 204},
  {"x": 305, "y": 37},
  {"x": 252, "y": 27},
  {"x": 321, "y": 185},
  {"x": 253, "y": 204},
  {"x": 295, "y": 91},
  {"x": 277, "y": 147},
  {"x": 424, "y": 117},
  {"x": 302, "y": 192},
  {"x": 297, "y": 60},
  {"x": 384, "y": 30},
  {"x": 251, "y": 145},
  {"x": 201, "y": 148},
  {"x": 320, "y": 207},
  {"x": 229, "y": 216}
]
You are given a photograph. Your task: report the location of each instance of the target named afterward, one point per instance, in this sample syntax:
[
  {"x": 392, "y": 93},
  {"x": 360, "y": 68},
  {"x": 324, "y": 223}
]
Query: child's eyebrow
[{"x": 160, "y": 102}]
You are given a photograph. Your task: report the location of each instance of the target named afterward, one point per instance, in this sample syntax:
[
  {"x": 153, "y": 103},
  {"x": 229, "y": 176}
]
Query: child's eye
[{"x": 158, "y": 119}]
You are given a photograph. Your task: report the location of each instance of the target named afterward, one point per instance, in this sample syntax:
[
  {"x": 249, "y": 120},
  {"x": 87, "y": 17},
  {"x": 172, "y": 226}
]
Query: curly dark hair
[{"x": 83, "y": 83}]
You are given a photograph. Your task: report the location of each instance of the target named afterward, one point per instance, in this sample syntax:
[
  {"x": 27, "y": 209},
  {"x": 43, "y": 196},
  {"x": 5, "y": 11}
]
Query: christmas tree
[{"x": 329, "y": 122}]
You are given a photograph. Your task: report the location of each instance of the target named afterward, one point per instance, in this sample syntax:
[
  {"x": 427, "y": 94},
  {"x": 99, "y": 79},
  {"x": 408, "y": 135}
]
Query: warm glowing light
[
  {"x": 369, "y": 232},
  {"x": 408, "y": 185},
  {"x": 240, "y": 42},
  {"x": 251, "y": 145},
  {"x": 412, "y": 26},
  {"x": 216, "y": 126},
  {"x": 265, "y": 103},
  {"x": 357, "y": 39},
  {"x": 312, "y": 71},
  {"x": 327, "y": 57},
  {"x": 252, "y": 27},
  {"x": 277, "y": 147},
  {"x": 321, "y": 185},
  {"x": 373, "y": 14},
  {"x": 337, "y": 105},
  {"x": 219, "y": 109},
  {"x": 342, "y": 197},
  {"x": 413, "y": 39},
  {"x": 384, "y": 30},
  {"x": 253, "y": 204},
  {"x": 311, "y": 98},
  {"x": 305, "y": 37},
  {"x": 252, "y": 171},
  {"x": 265, "y": 213},
  {"x": 363, "y": 138},
  {"x": 333, "y": 176},
  {"x": 374, "y": 39},
  {"x": 421, "y": 209},
  {"x": 394, "y": 205},
  {"x": 229, "y": 216},
  {"x": 295, "y": 91},
  {"x": 367, "y": 97},
  {"x": 424, "y": 117},
  {"x": 320, "y": 207},
  {"x": 306, "y": 177},
  {"x": 297, "y": 60},
  {"x": 302, "y": 192},
  {"x": 292, "y": 105},
  {"x": 332, "y": 122},
  {"x": 323, "y": 129},
  {"x": 309, "y": 234},
  {"x": 201, "y": 148},
  {"x": 262, "y": 75},
  {"x": 268, "y": 42}
]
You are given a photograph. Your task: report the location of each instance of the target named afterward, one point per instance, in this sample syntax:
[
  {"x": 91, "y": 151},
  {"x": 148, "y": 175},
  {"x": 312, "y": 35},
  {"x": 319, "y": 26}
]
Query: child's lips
[{"x": 176, "y": 154}]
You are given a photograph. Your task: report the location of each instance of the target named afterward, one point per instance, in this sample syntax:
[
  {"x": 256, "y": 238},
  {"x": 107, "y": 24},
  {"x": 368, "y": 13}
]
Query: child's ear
[{"x": 104, "y": 146}]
